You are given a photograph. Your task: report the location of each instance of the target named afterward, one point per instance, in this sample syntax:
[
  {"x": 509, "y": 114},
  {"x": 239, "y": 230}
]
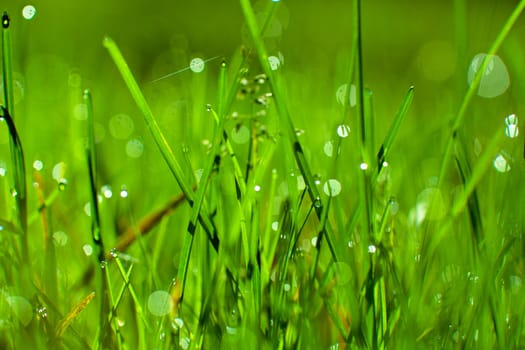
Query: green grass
[{"x": 236, "y": 227}]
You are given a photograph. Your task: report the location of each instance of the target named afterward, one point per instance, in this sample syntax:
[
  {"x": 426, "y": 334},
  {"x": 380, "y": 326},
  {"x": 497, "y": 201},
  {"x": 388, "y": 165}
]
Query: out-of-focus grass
[{"x": 314, "y": 216}]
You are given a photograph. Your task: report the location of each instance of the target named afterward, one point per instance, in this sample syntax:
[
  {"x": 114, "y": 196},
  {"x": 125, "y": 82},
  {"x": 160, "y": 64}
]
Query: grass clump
[{"x": 247, "y": 235}]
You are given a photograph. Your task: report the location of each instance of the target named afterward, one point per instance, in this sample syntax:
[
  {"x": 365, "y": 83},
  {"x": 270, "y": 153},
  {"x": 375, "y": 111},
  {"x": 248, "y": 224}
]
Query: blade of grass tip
[
  {"x": 7, "y": 72},
  {"x": 384, "y": 150},
  {"x": 158, "y": 136},
  {"x": 284, "y": 113},
  {"x": 473, "y": 88}
]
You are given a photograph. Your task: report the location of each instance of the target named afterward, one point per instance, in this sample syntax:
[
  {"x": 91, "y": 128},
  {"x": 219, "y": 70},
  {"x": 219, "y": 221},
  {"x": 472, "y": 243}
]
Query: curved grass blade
[{"x": 158, "y": 136}]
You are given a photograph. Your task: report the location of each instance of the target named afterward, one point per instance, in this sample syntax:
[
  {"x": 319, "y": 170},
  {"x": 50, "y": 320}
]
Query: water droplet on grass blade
[
  {"x": 60, "y": 238},
  {"x": 512, "y": 119},
  {"x": 28, "y": 12},
  {"x": 134, "y": 148},
  {"x": 512, "y": 131},
  {"x": 332, "y": 187},
  {"x": 372, "y": 249},
  {"x": 274, "y": 62},
  {"x": 501, "y": 164},
  {"x": 121, "y": 126},
  {"x": 275, "y": 226},
  {"x": 59, "y": 170},
  {"x": 106, "y": 191},
  {"x": 3, "y": 169},
  {"x": 495, "y": 80},
  {"x": 341, "y": 93},
  {"x": 38, "y": 165},
  {"x": 160, "y": 303},
  {"x": 257, "y": 188},
  {"x": 343, "y": 130},
  {"x": 88, "y": 249},
  {"x": 177, "y": 324},
  {"x": 197, "y": 65},
  {"x": 124, "y": 192}
]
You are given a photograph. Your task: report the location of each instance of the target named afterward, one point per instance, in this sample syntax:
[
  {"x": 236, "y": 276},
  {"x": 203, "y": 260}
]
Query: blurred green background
[{"x": 59, "y": 52}]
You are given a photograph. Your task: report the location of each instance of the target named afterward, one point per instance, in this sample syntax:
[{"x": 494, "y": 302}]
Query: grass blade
[
  {"x": 384, "y": 150},
  {"x": 284, "y": 113},
  {"x": 473, "y": 88},
  {"x": 158, "y": 136}
]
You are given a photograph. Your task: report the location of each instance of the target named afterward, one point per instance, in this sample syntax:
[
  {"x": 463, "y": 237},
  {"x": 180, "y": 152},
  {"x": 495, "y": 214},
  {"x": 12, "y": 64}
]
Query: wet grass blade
[
  {"x": 384, "y": 150},
  {"x": 19, "y": 171},
  {"x": 158, "y": 136},
  {"x": 92, "y": 167},
  {"x": 285, "y": 114}
]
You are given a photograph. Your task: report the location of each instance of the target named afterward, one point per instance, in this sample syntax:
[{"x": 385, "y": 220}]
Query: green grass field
[{"x": 270, "y": 174}]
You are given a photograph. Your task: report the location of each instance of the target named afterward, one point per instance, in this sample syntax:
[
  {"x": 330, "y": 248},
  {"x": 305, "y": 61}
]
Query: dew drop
[
  {"x": 59, "y": 170},
  {"x": 106, "y": 191},
  {"x": 62, "y": 184},
  {"x": 287, "y": 287},
  {"x": 3, "y": 169},
  {"x": 177, "y": 324},
  {"x": 240, "y": 135},
  {"x": 372, "y": 249},
  {"x": 113, "y": 252},
  {"x": 87, "y": 209},
  {"x": 343, "y": 130},
  {"x": 332, "y": 187},
  {"x": 328, "y": 148},
  {"x": 74, "y": 80},
  {"x": 88, "y": 249},
  {"x": 495, "y": 80},
  {"x": 41, "y": 312},
  {"x": 317, "y": 202},
  {"x": 121, "y": 126},
  {"x": 184, "y": 343},
  {"x": 501, "y": 164},
  {"x": 38, "y": 165},
  {"x": 257, "y": 188},
  {"x": 60, "y": 238},
  {"x": 341, "y": 93},
  {"x": 197, "y": 65},
  {"x": 29, "y": 12},
  {"x": 103, "y": 264},
  {"x": 363, "y": 166},
  {"x": 275, "y": 225},
  {"x": 512, "y": 119},
  {"x": 160, "y": 303},
  {"x": 208, "y": 107},
  {"x": 314, "y": 241},
  {"x": 120, "y": 322},
  {"x": 134, "y": 148},
  {"x": 351, "y": 244},
  {"x": 274, "y": 61},
  {"x": 124, "y": 192},
  {"x": 512, "y": 131}
]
